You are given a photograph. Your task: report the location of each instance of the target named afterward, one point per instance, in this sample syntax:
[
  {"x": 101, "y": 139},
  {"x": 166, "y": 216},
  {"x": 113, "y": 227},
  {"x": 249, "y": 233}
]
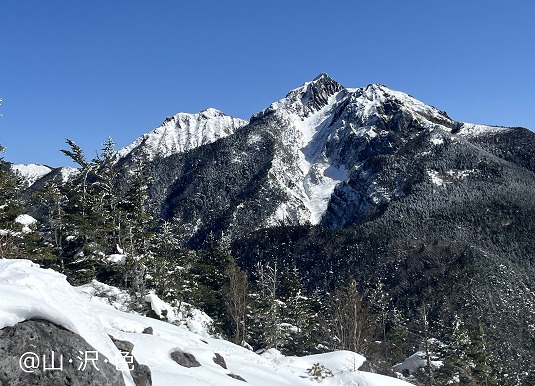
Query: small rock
[
  {"x": 185, "y": 359},
  {"x": 218, "y": 359},
  {"x": 236, "y": 377},
  {"x": 148, "y": 330}
]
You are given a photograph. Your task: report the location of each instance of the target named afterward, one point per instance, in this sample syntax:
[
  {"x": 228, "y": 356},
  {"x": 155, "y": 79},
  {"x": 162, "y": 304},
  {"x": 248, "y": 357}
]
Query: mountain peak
[
  {"x": 310, "y": 97},
  {"x": 183, "y": 132}
]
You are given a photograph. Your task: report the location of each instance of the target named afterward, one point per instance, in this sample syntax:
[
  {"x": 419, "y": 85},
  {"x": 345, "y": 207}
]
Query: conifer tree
[
  {"x": 169, "y": 265},
  {"x": 9, "y": 209},
  {"x": 54, "y": 200},
  {"x": 16, "y": 240},
  {"x": 298, "y": 314},
  {"x": 208, "y": 275}
]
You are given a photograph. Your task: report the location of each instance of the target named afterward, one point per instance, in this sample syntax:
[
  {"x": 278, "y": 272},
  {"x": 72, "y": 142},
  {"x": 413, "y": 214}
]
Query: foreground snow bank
[{"x": 28, "y": 291}]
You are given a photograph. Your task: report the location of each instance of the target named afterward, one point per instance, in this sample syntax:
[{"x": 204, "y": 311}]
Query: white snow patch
[
  {"x": 474, "y": 130},
  {"x": 437, "y": 141},
  {"x": 26, "y": 221},
  {"x": 31, "y": 172},
  {"x": 435, "y": 177},
  {"x": 460, "y": 174},
  {"x": 116, "y": 258},
  {"x": 67, "y": 173},
  {"x": 449, "y": 177}
]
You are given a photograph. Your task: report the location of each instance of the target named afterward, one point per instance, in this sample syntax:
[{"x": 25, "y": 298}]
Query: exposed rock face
[
  {"x": 42, "y": 338},
  {"x": 185, "y": 359}
]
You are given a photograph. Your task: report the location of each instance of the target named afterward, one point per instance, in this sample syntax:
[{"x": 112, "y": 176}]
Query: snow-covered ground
[{"x": 28, "y": 291}]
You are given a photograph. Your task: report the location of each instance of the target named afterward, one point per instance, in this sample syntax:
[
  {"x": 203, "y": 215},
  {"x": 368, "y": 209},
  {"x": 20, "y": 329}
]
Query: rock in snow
[
  {"x": 58, "y": 346},
  {"x": 72, "y": 320}
]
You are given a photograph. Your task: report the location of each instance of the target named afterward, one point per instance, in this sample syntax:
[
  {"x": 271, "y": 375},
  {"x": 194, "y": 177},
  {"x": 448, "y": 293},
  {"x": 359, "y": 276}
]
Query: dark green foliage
[
  {"x": 465, "y": 248},
  {"x": 15, "y": 242},
  {"x": 169, "y": 265},
  {"x": 208, "y": 276}
]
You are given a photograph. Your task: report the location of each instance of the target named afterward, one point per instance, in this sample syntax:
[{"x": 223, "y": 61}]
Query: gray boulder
[{"x": 30, "y": 344}]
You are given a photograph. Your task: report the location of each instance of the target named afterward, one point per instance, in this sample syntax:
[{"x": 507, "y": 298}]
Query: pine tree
[
  {"x": 169, "y": 265},
  {"x": 10, "y": 208},
  {"x": 298, "y": 315},
  {"x": 54, "y": 200},
  {"x": 208, "y": 275},
  {"x": 17, "y": 241},
  {"x": 106, "y": 219},
  {"x": 481, "y": 357}
]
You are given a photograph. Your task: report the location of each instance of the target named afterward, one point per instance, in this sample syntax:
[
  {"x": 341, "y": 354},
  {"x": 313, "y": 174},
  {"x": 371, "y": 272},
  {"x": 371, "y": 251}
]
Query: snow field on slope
[
  {"x": 315, "y": 177},
  {"x": 31, "y": 292},
  {"x": 31, "y": 172}
]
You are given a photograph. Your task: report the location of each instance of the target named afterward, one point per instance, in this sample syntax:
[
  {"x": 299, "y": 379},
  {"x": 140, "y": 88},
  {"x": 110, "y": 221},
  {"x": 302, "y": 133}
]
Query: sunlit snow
[{"x": 31, "y": 292}]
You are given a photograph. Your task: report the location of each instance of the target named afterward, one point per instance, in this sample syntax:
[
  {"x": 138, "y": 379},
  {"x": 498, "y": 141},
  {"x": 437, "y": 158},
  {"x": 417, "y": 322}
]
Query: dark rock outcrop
[
  {"x": 19, "y": 343},
  {"x": 148, "y": 330}
]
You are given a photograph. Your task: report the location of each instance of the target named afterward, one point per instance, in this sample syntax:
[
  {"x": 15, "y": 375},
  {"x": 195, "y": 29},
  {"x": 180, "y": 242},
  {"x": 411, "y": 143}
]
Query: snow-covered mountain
[
  {"x": 31, "y": 172},
  {"x": 331, "y": 130},
  {"x": 313, "y": 157},
  {"x": 182, "y": 132},
  {"x": 31, "y": 293}
]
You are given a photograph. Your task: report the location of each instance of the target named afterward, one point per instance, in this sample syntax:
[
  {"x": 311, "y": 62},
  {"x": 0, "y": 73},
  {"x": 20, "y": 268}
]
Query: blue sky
[{"x": 87, "y": 70}]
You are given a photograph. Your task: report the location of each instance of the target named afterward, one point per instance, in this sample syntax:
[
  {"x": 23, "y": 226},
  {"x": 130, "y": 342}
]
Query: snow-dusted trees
[
  {"x": 237, "y": 297},
  {"x": 17, "y": 236},
  {"x": 52, "y": 199},
  {"x": 348, "y": 318},
  {"x": 9, "y": 209},
  {"x": 106, "y": 216},
  {"x": 269, "y": 306}
]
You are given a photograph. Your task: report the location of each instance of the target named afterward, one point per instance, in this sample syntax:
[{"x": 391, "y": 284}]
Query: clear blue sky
[{"x": 87, "y": 70}]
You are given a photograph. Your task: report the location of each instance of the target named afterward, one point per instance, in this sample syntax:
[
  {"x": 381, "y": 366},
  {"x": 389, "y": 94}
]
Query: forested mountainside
[{"x": 360, "y": 219}]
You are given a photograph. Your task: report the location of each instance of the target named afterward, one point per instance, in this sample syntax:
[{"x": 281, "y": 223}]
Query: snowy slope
[
  {"x": 31, "y": 292},
  {"x": 183, "y": 132},
  {"x": 31, "y": 172}
]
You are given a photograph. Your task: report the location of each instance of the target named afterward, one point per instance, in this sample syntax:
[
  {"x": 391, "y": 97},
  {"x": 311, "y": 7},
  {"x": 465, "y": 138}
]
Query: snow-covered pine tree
[
  {"x": 53, "y": 199},
  {"x": 268, "y": 307},
  {"x": 169, "y": 265},
  {"x": 298, "y": 316}
]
